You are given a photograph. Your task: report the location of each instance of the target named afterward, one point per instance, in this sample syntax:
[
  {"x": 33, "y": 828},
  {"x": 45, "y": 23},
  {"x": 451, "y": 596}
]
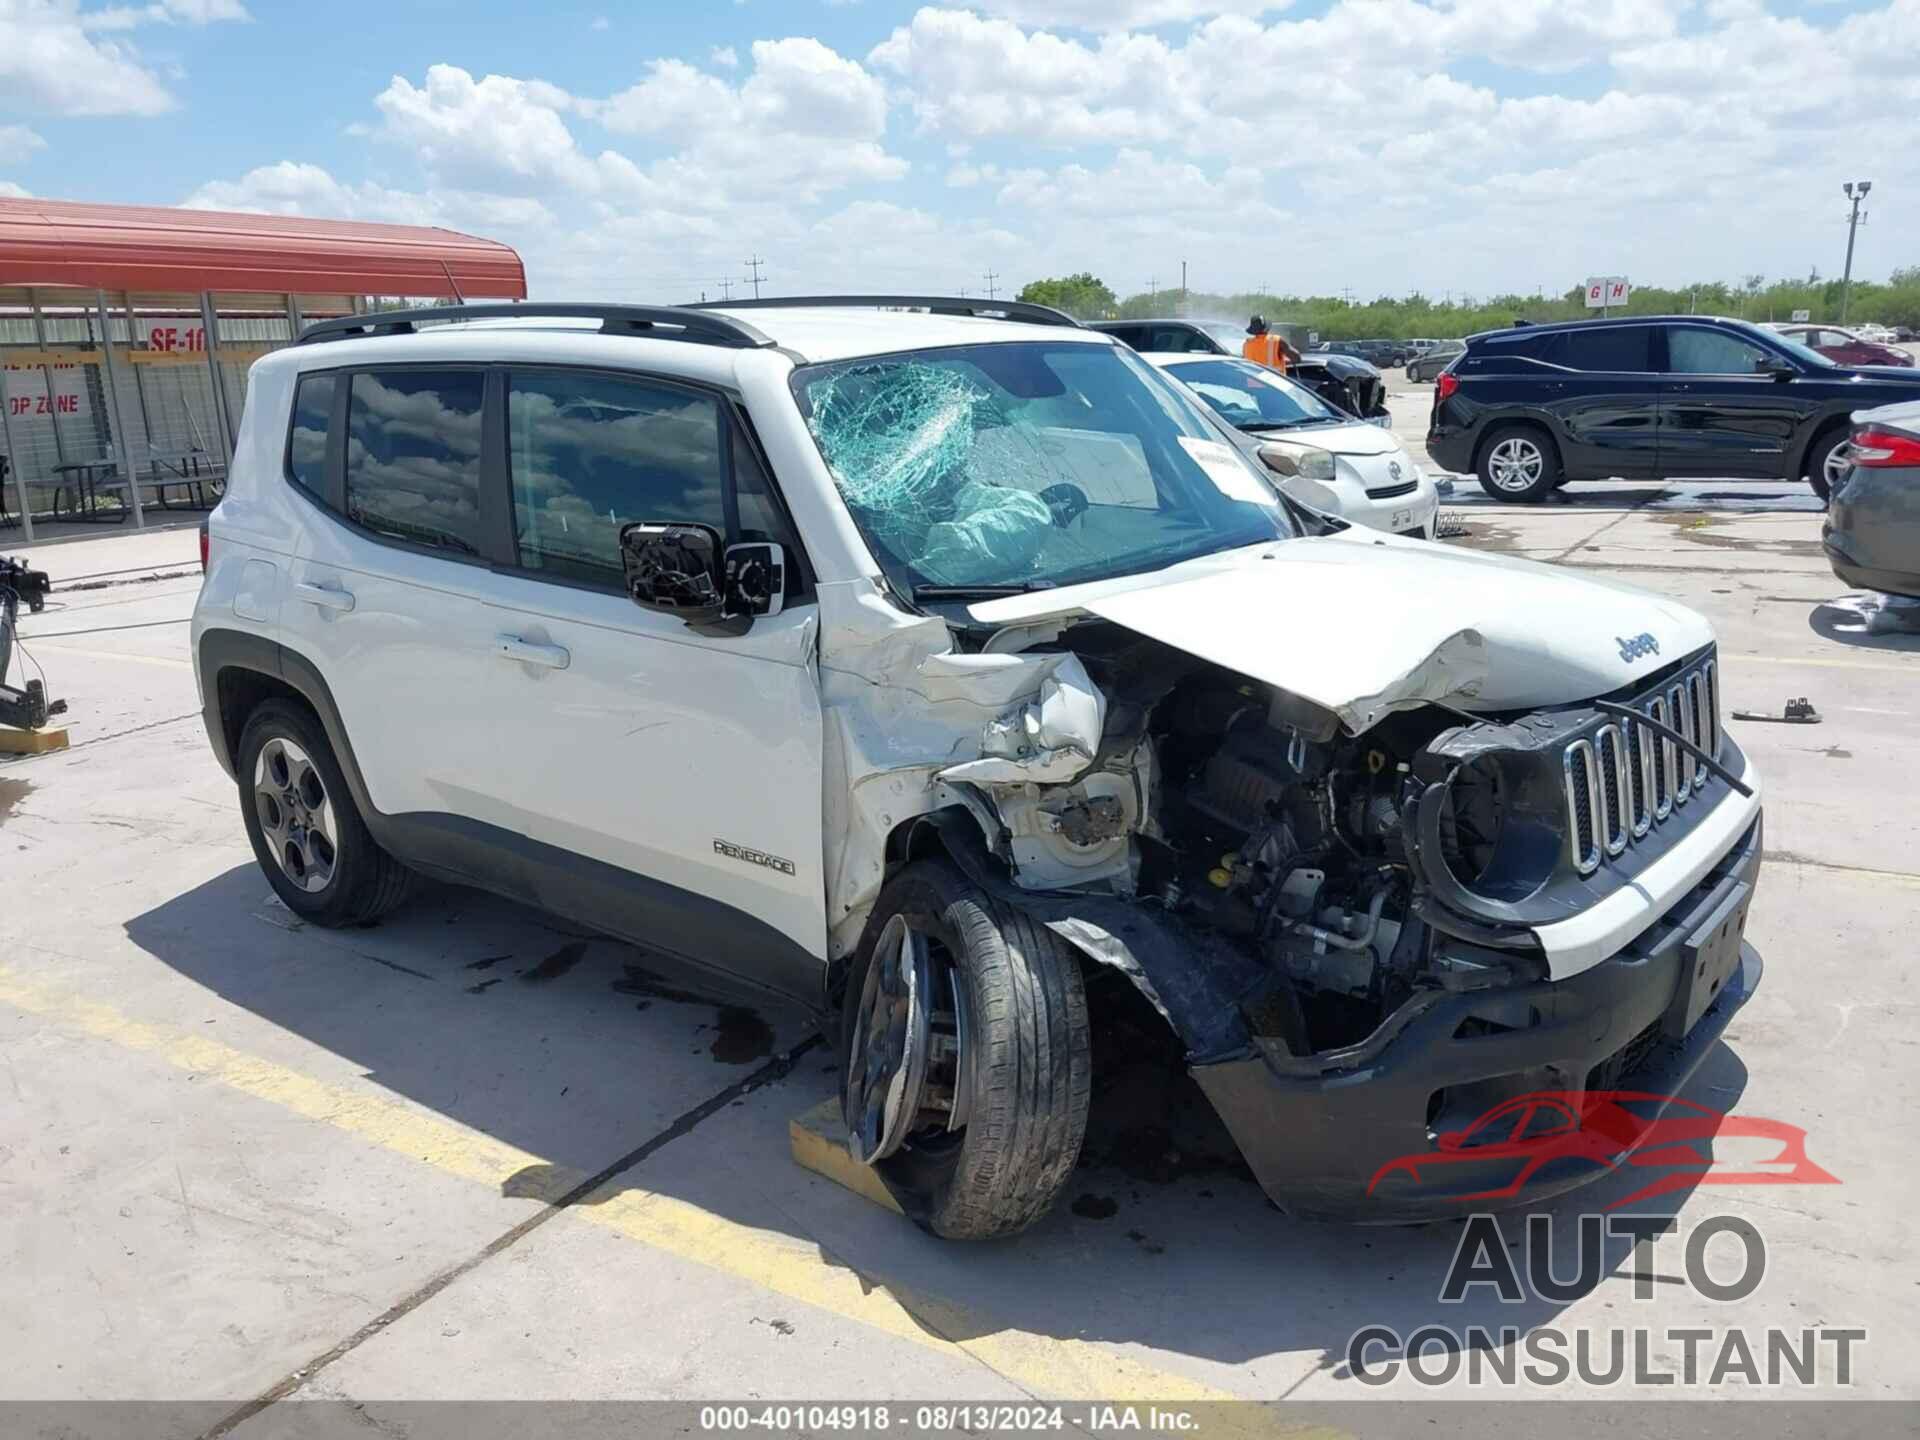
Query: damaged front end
[{"x": 1353, "y": 935}]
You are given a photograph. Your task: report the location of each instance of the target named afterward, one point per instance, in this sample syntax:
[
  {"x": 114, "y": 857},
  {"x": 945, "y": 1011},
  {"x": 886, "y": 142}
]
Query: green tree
[{"x": 1083, "y": 296}]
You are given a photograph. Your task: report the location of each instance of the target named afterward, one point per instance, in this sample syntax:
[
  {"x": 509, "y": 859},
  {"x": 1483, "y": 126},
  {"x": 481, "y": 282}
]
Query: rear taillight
[
  {"x": 1446, "y": 384},
  {"x": 206, "y": 545},
  {"x": 1884, "y": 449}
]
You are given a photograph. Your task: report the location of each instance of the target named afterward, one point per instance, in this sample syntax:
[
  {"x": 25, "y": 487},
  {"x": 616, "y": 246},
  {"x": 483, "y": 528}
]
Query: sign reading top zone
[{"x": 1606, "y": 290}]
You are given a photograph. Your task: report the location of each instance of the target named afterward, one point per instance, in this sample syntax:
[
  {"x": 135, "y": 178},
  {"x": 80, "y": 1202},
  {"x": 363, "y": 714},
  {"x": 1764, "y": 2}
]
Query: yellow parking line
[
  {"x": 172, "y": 661},
  {"x": 1043, "y": 1365},
  {"x": 1822, "y": 663}
]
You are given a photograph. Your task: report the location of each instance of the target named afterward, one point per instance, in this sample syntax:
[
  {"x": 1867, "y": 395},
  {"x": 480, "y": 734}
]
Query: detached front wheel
[{"x": 965, "y": 1056}]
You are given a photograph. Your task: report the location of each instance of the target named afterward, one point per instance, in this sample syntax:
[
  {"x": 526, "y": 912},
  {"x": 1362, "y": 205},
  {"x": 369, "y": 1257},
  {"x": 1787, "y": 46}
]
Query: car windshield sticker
[{"x": 1225, "y": 469}]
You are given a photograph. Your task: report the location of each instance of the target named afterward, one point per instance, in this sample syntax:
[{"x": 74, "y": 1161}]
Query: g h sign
[{"x": 1606, "y": 290}]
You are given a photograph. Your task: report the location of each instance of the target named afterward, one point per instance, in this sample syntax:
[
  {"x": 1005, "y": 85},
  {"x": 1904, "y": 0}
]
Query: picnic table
[
  {"x": 193, "y": 471},
  {"x": 86, "y": 479}
]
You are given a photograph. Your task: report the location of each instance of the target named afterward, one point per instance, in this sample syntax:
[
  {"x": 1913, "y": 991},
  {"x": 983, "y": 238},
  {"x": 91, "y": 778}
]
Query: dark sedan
[
  {"x": 1528, "y": 409},
  {"x": 1872, "y": 534}
]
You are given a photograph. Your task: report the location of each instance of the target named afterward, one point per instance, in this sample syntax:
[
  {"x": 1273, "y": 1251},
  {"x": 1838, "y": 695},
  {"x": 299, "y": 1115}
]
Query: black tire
[
  {"x": 1032, "y": 1060},
  {"x": 1524, "y": 459},
  {"x": 363, "y": 882},
  {"x": 1818, "y": 453}
]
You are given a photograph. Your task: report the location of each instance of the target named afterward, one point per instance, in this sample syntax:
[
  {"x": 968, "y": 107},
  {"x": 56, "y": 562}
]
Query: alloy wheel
[
  {"x": 1515, "y": 464},
  {"x": 296, "y": 814},
  {"x": 1835, "y": 467}
]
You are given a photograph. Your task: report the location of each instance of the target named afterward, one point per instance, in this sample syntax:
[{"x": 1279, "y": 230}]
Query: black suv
[{"x": 1530, "y": 408}]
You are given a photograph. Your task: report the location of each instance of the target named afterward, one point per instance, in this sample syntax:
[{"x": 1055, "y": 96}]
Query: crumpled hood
[{"x": 1363, "y": 624}]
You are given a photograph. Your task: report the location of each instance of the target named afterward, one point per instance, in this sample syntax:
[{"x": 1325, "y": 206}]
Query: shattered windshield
[
  {"x": 1253, "y": 397},
  {"x": 1026, "y": 465}
]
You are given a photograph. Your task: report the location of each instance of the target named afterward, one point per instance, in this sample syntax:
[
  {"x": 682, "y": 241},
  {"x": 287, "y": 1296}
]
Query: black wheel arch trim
[{"x": 623, "y": 903}]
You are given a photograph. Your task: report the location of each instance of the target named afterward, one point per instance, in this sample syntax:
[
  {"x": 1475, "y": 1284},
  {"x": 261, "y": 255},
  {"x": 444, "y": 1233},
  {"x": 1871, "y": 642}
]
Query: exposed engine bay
[{"x": 1216, "y": 801}]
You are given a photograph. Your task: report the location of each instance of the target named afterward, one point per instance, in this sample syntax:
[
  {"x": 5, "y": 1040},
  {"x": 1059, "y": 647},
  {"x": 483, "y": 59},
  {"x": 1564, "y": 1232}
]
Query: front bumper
[{"x": 1318, "y": 1142}]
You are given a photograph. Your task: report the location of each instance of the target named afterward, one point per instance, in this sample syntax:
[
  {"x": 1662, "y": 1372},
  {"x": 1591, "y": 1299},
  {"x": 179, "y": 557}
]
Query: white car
[
  {"x": 1320, "y": 456},
  {"x": 913, "y": 666},
  {"x": 1878, "y": 334}
]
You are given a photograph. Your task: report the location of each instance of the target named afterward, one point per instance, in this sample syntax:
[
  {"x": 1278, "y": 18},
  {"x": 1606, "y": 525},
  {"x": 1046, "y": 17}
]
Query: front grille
[
  {"x": 1393, "y": 492},
  {"x": 1583, "y": 804},
  {"x": 1626, "y": 779}
]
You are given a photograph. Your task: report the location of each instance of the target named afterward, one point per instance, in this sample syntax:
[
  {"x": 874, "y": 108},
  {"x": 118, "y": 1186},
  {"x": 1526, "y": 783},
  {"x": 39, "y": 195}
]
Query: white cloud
[
  {"x": 1393, "y": 148},
  {"x": 164, "y": 12},
  {"x": 293, "y": 188},
  {"x": 1121, "y": 14},
  {"x": 11, "y": 191},
  {"x": 493, "y": 132},
  {"x": 805, "y": 121},
  {"x": 18, "y": 140},
  {"x": 50, "y": 65}
]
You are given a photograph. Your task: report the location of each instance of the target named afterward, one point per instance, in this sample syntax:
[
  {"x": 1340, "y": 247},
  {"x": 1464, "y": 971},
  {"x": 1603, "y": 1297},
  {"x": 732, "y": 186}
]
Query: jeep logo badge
[{"x": 1632, "y": 647}]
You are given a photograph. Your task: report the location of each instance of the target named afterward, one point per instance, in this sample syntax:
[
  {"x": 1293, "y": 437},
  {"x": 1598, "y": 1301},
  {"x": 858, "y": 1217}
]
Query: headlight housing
[{"x": 1306, "y": 461}]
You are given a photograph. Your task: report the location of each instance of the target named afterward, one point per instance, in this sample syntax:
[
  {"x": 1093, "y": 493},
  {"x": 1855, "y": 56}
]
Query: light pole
[{"x": 1856, "y": 192}]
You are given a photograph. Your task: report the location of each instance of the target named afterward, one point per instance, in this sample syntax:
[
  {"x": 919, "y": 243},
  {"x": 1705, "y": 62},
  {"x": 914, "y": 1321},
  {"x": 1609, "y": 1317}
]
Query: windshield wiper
[
  {"x": 979, "y": 592},
  {"x": 1285, "y": 424}
]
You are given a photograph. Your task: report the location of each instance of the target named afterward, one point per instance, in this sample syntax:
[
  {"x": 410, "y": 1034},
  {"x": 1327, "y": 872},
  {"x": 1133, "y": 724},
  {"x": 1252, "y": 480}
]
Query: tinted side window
[
  {"x": 1127, "y": 335},
  {"x": 1178, "y": 339},
  {"x": 413, "y": 456},
  {"x": 1692, "y": 351},
  {"x": 307, "y": 444},
  {"x": 590, "y": 453},
  {"x": 1626, "y": 348}
]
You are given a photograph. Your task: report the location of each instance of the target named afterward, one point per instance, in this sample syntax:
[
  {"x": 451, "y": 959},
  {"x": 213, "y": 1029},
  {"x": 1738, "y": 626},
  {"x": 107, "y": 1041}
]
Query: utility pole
[
  {"x": 990, "y": 277},
  {"x": 1183, "y": 287},
  {"x": 1153, "y": 288},
  {"x": 754, "y": 264},
  {"x": 726, "y": 290},
  {"x": 1856, "y": 192}
]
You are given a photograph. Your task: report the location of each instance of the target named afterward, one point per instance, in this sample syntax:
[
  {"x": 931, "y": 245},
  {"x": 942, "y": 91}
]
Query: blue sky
[{"x": 645, "y": 150}]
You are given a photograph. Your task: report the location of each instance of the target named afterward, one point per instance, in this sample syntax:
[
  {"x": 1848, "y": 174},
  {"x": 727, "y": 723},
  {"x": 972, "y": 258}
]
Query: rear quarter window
[{"x": 307, "y": 435}]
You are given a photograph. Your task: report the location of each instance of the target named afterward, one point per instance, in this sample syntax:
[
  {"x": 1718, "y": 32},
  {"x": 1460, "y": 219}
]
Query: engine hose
[{"x": 1346, "y": 942}]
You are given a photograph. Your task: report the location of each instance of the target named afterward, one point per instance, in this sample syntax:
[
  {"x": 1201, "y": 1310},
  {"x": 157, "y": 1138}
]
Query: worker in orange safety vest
[{"x": 1263, "y": 347}]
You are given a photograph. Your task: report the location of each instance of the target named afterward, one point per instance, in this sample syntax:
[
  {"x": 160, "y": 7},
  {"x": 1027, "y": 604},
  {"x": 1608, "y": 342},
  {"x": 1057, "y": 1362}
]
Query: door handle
[
  {"x": 327, "y": 597},
  {"x": 512, "y": 647}
]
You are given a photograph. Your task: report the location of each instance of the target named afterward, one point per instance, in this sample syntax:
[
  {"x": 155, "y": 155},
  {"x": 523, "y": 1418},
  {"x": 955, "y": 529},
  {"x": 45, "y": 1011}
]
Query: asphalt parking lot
[{"x": 473, "y": 1153}]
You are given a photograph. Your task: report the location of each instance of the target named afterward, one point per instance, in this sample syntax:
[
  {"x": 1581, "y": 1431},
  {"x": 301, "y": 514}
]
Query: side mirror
[
  {"x": 680, "y": 568},
  {"x": 674, "y": 568},
  {"x": 1777, "y": 369},
  {"x": 1385, "y": 422},
  {"x": 756, "y": 578}
]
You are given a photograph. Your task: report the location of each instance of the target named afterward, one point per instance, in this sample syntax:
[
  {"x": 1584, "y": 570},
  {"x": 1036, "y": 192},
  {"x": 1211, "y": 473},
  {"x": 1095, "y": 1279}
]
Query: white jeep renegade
[{"x": 914, "y": 662}]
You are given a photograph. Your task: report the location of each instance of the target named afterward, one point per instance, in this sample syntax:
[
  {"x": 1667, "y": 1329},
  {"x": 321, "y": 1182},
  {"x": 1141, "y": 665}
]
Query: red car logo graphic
[{"x": 1614, "y": 1129}]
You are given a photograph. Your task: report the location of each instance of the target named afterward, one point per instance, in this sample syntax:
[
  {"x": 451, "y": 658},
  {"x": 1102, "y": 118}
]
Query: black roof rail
[
  {"x": 1021, "y": 310},
  {"x": 658, "y": 322}
]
